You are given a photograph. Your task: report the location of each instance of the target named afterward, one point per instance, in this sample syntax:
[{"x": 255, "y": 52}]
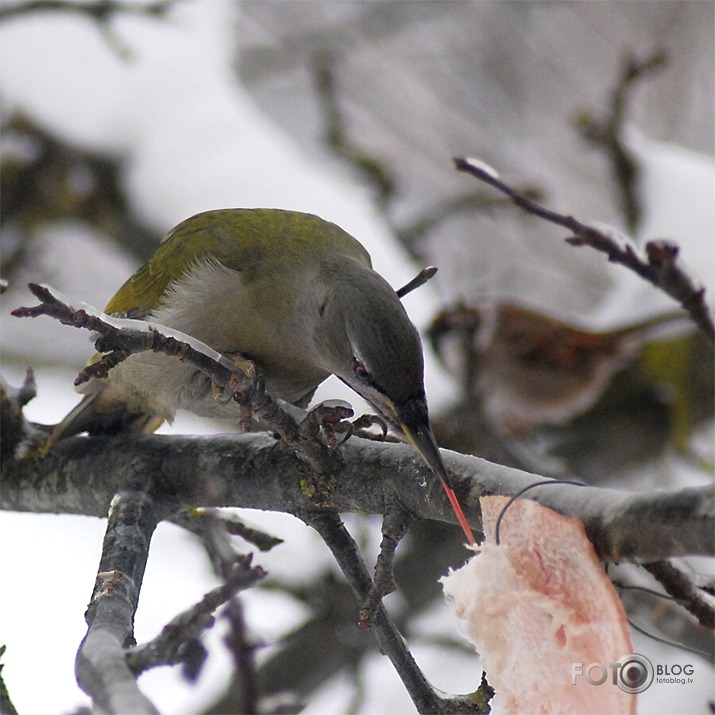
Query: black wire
[
  {"x": 574, "y": 482},
  {"x": 665, "y": 641}
]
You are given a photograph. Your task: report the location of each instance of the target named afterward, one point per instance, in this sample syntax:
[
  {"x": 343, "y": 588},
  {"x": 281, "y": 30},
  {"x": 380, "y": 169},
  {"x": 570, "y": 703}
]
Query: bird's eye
[{"x": 360, "y": 371}]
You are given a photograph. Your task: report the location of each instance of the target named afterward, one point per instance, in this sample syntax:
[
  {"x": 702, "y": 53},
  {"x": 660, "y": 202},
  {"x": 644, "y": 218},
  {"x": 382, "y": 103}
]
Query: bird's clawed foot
[
  {"x": 331, "y": 417},
  {"x": 241, "y": 387}
]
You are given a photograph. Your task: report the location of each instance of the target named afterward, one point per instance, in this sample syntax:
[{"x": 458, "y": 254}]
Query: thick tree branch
[
  {"x": 83, "y": 475},
  {"x": 101, "y": 668},
  {"x": 622, "y": 526},
  {"x": 80, "y": 475}
]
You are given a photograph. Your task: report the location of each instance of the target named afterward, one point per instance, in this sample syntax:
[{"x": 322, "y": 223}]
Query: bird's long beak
[{"x": 423, "y": 440}]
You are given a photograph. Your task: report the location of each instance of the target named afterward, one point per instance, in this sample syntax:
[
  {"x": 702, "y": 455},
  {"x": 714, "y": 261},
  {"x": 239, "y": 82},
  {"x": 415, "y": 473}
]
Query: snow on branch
[
  {"x": 246, "y": 470},
  {"x": 81, "y": 475},
  {"x": 679, "y": 522}
]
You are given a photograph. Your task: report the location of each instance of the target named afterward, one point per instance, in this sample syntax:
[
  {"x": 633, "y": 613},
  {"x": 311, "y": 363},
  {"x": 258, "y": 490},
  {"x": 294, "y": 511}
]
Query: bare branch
[
  {"x": 669, "y": 617},
  {"x": 677, "y": 523},
  {"x": 395, "y": 524},
  {"x": 607, "y": 132},
  {"x": 6, "y": 705},
  {"x": 659, "y": 268},
  {"x": 680, "y": 587},
  {"x": 234, "y": 525},
  {"x": 426, "y": 698},
  {"x": 15, "y": 429},
  {"x": 242, "y": 694},
  {"x": 251, "y": 471},
  {"x": 100, "y": 666},
  {"x": 170, "y": 646},
  {"x": 419, "y": 280},
  {"x": 80, "y": 475},
  {"x": 100, "y": 10},
  {"x": 122, "y": 337}
]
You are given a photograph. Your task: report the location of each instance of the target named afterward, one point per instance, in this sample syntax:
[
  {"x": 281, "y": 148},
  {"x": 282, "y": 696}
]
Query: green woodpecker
[{"x": 292, "y": 293}]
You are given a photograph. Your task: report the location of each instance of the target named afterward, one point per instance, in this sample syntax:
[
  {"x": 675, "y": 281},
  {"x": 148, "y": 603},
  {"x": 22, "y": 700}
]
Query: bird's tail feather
[{"x": 98, "y": 415}]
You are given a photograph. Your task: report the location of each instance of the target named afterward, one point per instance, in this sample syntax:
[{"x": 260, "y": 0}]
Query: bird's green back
[{"x": 250, "y": 241}]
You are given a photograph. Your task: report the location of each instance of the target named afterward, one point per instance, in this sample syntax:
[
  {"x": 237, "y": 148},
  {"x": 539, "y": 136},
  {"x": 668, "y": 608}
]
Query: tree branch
[
  {"x": 681, "y": 588},
  {"x": 426, "y": 698},
  {"x": 100, "y": 667},
  {"x": 242, "y": 694},
  {"x": 80, "y": 475},
  {"x": 6, "y": 705},
  {"x": 100, "y": 10},
  {"x": 121, "y": 337},
  {"x": 170, "y": 646},
  {"x": 606, "y": 132},
  {"x": 659, "y": 267}
]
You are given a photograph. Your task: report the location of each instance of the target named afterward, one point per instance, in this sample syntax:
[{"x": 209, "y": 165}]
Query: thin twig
[
  {"x": 235, "y": 526},
  {"x": 395, "y": 524},
  {"x": 660, "y": 267},
  {"x": 100, "y": 10},
  {"x": 345, "y": 551},
  {"x": 6, "y": 704},
  {"x": 242, "y": 694},
  {"x": 170, "y": 646},
  {"x": 681, "y": 588},
  {"x": 419, "y": 280},
  {"x": 666, "y": 641},
  {"x": 607, "y": 132}
]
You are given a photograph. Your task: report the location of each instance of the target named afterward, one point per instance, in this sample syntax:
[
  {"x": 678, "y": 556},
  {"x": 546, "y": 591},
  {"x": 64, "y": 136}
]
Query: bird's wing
[
  {"x": 253, "y": 242},
  {"x": 141, "y": 293},
  {"x": 192, "y": 241}
]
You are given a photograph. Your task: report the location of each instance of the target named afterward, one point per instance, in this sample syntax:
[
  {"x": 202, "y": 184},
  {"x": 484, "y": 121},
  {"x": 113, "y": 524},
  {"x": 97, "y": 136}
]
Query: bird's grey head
[{"x": 368, "y": 341}]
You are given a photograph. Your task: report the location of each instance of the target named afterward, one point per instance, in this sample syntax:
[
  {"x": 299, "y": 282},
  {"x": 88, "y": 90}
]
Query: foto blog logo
[{"x": 632, "y": 673}]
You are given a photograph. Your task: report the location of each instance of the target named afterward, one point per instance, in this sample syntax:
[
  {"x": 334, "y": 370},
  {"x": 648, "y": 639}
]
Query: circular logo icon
[{"x": 635, "y": 674}]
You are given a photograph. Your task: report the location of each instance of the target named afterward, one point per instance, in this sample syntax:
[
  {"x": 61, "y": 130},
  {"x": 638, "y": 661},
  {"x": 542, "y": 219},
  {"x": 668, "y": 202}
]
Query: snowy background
[{"x": 192, "y": 137}]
